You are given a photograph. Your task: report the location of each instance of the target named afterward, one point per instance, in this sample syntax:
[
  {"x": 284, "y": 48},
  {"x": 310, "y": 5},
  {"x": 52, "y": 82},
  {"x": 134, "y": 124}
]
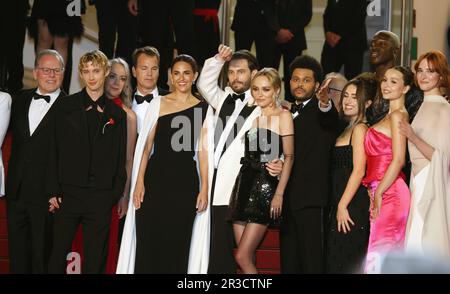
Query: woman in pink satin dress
[{"x": 385, "y": 150}]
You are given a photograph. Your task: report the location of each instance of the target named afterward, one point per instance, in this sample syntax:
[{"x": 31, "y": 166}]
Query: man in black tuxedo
[
  {"x": 32, "y": 126},
  {"x": 146, "y": 71},
  {"x": 87, "y": 174},
  {"x": 302, "y": 229},
  {"x": 344, "y": 23}
]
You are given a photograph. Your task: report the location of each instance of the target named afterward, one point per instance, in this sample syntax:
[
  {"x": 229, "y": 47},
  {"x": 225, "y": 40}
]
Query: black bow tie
[
  {"x": 140, "y": 99},
  {"x": 38, "y": 96},
  {"x": 296, "y": 108},
  {"x": 234, "y": 97}
]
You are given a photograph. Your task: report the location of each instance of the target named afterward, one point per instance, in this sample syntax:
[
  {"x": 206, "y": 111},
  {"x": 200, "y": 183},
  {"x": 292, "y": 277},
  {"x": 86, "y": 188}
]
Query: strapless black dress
[{"x": 254, "y": 187}]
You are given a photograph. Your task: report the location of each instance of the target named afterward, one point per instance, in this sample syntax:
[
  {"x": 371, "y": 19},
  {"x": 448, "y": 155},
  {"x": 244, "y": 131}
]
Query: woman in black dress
[
  {"x": 349, "y": 223},
  {"x": 257, "y": 197},
  {"x": 168, "y": 191}
]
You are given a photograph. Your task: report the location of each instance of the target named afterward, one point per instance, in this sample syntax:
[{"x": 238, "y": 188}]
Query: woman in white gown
[{"x": 428, "y": 229}]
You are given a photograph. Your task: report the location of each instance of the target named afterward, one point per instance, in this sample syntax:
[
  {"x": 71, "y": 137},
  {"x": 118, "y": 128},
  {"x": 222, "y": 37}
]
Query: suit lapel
[
  {"x": 25, "y": 115},
  {"x": 245, "y": 127},
  {"x": 45, "y": 120}
]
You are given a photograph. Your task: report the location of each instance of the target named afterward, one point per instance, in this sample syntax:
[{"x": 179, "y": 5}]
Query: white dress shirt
[
  {"x": 141, "y": 109},
  {"x": 39, "y": 108}
]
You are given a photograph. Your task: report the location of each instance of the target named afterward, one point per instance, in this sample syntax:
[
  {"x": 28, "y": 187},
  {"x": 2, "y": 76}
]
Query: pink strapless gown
[{"x": 387, "y": 231}]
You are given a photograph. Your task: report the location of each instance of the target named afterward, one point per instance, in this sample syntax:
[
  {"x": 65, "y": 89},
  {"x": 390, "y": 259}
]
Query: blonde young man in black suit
[{"x": 87, "y": 172}]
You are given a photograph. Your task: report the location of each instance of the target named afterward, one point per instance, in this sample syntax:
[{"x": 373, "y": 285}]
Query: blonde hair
[
  {"x": 97, "y": 57},
  {"x": 125, "y": 95},
  {"x": 274, "y": 79}
]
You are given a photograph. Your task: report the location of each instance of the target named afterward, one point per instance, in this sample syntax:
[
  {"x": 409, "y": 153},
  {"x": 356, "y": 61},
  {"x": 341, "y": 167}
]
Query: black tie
[
  {"x": 234, "y": 97},
  {"x": 140, "y": 99},
  {"x": 38, "y": 96},
  {"x": 296, "y": 108}
]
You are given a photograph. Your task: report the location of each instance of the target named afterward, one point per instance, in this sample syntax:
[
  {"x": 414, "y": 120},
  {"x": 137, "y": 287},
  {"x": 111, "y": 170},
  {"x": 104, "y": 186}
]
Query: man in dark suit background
[
  {"x": 116, "y": 23},
  {"x": 278, "y": 29},
  {"x": 251, "y": 23},
  {"x": 302, "y": 229},
  {"x": 159, "y": 22},
  {"x": 13, "y": 21},
  {"x": 344, "y": 23},
  {"x": 32, "y": 125},
  {"x": 87, "y": 173}
]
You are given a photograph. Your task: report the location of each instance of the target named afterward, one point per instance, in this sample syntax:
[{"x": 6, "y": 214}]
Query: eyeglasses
[
  {"x": 334, "y": 89},
  {"x": 47, "y": 71}
]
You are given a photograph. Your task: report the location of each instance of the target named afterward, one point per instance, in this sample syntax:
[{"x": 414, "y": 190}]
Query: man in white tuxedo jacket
[
  {"x": 233, "y": 117},
  {"x": 5, "y": 111}
]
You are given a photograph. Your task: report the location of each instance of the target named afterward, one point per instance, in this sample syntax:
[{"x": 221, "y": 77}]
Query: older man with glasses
[
  {"x": 32, "y": 127},
  {"x": 332, "y": 87}
]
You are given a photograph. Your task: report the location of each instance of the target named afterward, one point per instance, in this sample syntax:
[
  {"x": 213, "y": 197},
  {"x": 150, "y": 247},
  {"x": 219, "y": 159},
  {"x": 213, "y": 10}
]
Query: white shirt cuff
[{"x": 326, "y": 109}]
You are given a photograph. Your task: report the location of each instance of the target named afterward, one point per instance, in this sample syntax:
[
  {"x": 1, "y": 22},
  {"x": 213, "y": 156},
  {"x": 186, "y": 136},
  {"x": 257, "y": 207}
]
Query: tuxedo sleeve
[
  {"x": 208, "y": 82},
  {"x": 328, "y": 120},
  {"x": 353, "y": 23},
  {"x": 120, "y": 177},
  {"x": 303, "y": 18},
  {"x": 327, "y": 18}
]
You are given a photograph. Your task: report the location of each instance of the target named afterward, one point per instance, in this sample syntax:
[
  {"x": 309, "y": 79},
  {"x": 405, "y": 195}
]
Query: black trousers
[
  {"x": 221, "y": 257},
  {"x": 302, "y": 241},
  {"x": 113, "y": 18},
  {"x": 92, "y": 209},
  {"x": 13, "y": 15},
  {"x": 334, "y": 58},
  {"x": 158, "y": 22},
  {"x": 29, "y": 236}
]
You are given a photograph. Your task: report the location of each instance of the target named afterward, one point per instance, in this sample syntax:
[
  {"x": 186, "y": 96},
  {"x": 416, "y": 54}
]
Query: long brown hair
[{"x": 366, "y": 90}]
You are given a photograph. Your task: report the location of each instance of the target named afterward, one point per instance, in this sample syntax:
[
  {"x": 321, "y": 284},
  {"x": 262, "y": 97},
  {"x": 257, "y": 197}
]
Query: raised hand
[{"x": 224, "y": 53}]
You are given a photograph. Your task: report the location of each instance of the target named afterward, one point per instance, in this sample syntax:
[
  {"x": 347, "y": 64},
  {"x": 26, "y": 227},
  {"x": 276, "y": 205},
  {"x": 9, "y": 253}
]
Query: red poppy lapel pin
[{"x": 109, "y": 122}]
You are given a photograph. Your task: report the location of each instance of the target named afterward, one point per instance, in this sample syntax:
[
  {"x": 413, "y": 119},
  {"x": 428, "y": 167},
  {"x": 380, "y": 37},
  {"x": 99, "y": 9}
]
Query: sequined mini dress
[{"x": 254, "y": 187}]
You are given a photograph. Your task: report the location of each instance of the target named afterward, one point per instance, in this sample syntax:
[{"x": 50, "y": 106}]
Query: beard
[
  {"x": 240, "y": 87},
  {"x": 305, "y": 96}
]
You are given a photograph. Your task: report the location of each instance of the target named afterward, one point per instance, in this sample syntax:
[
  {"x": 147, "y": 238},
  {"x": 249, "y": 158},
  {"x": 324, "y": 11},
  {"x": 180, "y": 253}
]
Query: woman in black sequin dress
[
  {"x": 349, "y": 222},
  {"x": 257, "y": 197}
]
